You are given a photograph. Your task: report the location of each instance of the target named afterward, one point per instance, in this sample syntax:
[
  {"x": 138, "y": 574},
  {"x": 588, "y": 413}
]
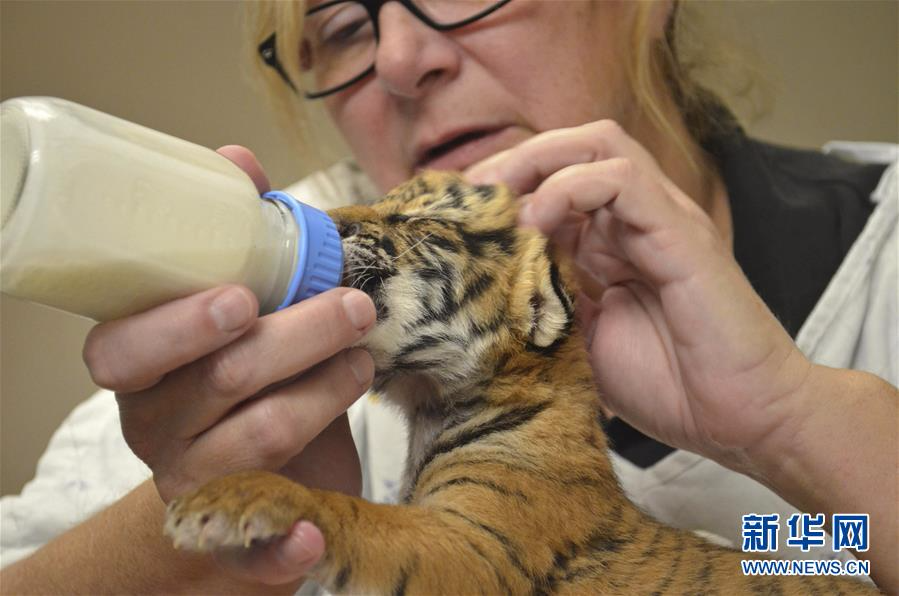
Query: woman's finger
[
  {"x": 131, "y": 354},
  {"x": 329, "y": 461},
  {"x": 280, "y": 346},
  {"x": 246, "y": 161},
  {"x": 524, "y": 167},
  {"x": 606, "y": 270},
  {"x": 270, "y": 431},
  {"x": 648, "y": 223},
  {"x": 279, "y": 562},
  {"x": 276, "y": 427},
  {"x": 585, "y": 188}
]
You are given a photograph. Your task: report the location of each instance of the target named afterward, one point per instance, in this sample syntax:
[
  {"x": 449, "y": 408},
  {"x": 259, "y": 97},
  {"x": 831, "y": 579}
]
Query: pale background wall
[{"x": 174, "y": 66}]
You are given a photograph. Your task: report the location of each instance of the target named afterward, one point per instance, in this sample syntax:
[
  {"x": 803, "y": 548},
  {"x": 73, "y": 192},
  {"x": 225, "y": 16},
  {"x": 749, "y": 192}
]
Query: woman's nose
[{"x": 411, "y": 57}]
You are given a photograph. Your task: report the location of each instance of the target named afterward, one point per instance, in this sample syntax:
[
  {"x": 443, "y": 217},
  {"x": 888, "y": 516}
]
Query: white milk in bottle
[{"x": 105, "y": 218}]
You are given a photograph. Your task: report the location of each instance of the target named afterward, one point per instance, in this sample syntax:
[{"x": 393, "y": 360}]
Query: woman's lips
[{"x": 469, "y": 148}]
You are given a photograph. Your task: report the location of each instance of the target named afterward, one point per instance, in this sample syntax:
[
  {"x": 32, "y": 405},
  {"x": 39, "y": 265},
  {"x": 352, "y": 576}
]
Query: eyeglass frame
[{"x": 373, "y": 7}]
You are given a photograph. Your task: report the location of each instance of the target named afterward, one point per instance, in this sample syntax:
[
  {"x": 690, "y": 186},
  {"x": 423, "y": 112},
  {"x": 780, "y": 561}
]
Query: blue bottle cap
[{"x": 319, "y": 252}]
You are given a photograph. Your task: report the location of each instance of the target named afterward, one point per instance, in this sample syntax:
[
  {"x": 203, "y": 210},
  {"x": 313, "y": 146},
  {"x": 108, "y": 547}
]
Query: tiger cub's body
[{"x": 508, "y": 488}]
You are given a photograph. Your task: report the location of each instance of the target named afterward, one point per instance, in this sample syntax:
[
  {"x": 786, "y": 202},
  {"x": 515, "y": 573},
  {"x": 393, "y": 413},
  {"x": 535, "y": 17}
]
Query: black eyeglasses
[{"x": 340, "y": 38}]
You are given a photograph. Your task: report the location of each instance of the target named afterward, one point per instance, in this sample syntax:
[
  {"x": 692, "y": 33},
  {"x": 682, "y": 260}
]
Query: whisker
[
  {"x": 363, "y": 281},
  {"x": 425, "y": 237},
  {"x": 359, "y": 269}
]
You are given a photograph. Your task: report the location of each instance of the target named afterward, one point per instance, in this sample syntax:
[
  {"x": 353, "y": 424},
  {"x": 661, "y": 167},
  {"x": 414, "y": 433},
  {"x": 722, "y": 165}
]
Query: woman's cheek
[{"x": 372, "y": 137}]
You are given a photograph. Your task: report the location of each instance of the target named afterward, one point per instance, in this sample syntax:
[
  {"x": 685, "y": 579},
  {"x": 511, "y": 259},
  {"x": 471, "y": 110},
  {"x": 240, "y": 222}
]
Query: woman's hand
[
  {"x": 681, "y": 345},
  {"x": 205, "y": 387}
]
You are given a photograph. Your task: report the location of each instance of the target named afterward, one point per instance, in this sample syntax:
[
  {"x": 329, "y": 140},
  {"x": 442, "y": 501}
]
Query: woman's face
[{"x": 447, "y": 100}]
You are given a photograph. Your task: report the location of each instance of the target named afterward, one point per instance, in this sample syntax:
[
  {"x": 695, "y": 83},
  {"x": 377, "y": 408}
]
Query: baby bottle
[{"x": 105, "y": 218}]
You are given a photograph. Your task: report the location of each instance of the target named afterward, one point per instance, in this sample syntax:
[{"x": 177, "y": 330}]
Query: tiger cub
[{"x": 508, "y": 488}]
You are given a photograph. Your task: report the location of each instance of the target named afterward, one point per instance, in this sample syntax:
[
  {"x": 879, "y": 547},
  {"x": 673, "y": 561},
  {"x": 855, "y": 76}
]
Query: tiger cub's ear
[{"x": 542, "y": 302}]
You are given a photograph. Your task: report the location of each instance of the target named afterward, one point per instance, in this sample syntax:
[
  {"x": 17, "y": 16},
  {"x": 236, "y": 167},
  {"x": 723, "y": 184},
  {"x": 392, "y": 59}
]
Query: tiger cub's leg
[{"x": 368, "y": 547}]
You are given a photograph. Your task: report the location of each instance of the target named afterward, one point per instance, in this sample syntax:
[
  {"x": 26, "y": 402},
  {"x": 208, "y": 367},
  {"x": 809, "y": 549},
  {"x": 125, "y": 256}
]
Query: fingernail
[
  {"x": 295, "y": 550},
  {"x": 230, "y": 310},
  {"x": 304, "y": 545},
  {"x": 362, "y": 365},
  {"x": 359, "y": 309}
]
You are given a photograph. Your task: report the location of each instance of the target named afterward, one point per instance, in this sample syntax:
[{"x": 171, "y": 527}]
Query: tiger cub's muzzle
[{"x": 367, "y": 264}]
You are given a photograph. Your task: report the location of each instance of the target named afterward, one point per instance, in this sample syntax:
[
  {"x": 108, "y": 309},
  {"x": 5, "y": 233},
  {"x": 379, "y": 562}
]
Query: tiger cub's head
[{"x": 459, "y": 289}]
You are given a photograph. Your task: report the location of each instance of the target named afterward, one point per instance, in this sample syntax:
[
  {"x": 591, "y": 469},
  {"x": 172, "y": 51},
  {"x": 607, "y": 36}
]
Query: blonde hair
[
  {"x": 301, "y": 121},
  {"x": 696, "y": 66},
  {"x": 672, "y": 65}
]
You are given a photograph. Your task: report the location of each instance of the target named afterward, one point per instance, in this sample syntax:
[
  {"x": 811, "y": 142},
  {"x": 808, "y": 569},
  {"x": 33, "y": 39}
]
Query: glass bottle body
[{"x": 105, "y": 218}]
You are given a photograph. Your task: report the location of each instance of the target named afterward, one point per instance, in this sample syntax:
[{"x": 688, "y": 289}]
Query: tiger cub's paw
[{"x": 240, "y": 510}]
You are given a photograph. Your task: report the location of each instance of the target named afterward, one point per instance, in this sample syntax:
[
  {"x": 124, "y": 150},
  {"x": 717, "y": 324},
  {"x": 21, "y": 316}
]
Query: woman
[{"x": 628, "y": 165}]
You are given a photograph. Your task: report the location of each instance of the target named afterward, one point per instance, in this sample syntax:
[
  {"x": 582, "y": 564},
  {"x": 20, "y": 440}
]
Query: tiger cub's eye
[{"x": 348, "y": 230}]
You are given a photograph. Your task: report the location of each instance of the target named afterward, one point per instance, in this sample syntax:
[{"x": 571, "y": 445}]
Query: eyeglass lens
[{"x": 339, "y": 41}]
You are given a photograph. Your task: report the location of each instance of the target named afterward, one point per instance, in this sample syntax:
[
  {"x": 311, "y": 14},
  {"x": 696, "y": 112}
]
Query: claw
[
  {"x": 244, "y": 524},
  {"x": 206, "y": 529}
]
